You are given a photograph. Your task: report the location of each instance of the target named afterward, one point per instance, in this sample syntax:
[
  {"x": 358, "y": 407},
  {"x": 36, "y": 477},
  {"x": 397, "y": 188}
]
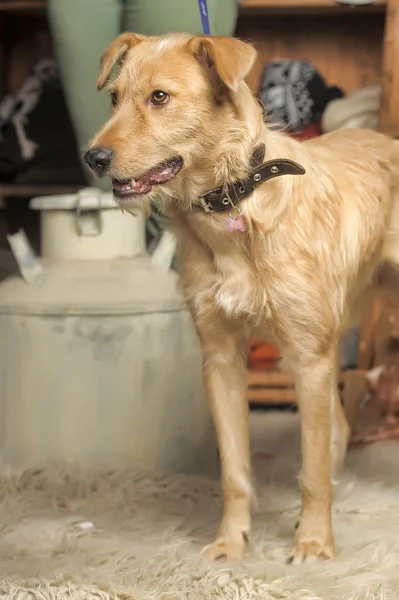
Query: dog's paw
[
  {"x": 311, "y": 550},
  {"x": 227, "y": 548}
]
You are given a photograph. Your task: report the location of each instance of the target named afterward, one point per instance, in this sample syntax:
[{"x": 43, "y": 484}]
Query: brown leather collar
[{"x": 224, "y": 198}]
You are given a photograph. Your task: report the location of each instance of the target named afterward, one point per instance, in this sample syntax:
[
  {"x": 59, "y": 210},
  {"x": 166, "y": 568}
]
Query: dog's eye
[
  {"x": 114, "y": 100},
  {"x": 159, "y": 97}
]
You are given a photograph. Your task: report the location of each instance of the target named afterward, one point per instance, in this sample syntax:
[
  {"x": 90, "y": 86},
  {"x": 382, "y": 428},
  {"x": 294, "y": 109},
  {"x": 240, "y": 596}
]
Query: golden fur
[{"x": 313, "y": 244}]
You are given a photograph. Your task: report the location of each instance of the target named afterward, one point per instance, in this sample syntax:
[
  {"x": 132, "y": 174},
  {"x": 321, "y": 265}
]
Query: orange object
[{"x": 261, "y": 355}]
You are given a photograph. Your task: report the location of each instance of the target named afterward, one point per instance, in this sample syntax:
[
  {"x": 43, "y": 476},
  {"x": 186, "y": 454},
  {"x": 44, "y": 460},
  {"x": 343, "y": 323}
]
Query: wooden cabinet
[
  {"x": 351, "y": 46},
  {"x": 300, "y": 5}
]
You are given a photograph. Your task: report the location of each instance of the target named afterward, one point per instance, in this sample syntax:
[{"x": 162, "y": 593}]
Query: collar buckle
[{"x": 207, "y": 206}]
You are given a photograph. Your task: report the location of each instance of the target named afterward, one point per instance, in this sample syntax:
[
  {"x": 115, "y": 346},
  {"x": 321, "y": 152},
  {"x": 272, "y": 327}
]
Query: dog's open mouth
[{"x": 161, "y": 173}]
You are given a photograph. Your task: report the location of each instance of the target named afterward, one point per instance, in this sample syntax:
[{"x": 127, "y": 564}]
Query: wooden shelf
[
  {"x": 273, "y": 378},
  {"x": 270, "y": 387},
  {"x": 21, "y": 5},
  {"x": 282, "y": 6},
  {"x": 271, "y": 396},
  {"x": 277, "y": 388},
  {"x": 275, "y": 5},
  {"x": 304, "y": 4},
  {"x": 29, "y": 191}
]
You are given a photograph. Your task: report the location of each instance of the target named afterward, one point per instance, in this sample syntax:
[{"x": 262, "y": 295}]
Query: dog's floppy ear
[
  {"x": 231, "y": 58},
  {"x": 114, "y": 53}
]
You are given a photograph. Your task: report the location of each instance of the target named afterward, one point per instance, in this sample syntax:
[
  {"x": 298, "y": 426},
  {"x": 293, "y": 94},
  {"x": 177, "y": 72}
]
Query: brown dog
[{"x": 283, "y": 257}]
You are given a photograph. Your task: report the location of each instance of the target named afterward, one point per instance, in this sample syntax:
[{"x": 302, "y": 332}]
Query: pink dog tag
[{"x": 235, "y": 223}]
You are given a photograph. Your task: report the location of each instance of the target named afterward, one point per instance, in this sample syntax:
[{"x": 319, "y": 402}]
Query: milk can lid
[{"x": 86, "y": 199}]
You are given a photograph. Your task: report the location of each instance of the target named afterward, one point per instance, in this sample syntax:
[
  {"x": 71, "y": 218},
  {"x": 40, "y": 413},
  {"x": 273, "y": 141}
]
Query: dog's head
[{"x": 173, "y": 99}]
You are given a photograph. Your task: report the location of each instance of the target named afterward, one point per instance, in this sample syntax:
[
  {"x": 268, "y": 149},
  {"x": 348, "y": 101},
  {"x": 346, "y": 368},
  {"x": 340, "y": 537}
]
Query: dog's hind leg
[{"x": 225, "y": 377}]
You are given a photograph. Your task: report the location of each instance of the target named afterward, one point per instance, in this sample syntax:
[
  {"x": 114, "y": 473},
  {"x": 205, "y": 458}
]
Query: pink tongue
[
  {"x": 141, "y": 186},
  {"x": 160, "y": 174},
  {"x": 144, "y": 184}
]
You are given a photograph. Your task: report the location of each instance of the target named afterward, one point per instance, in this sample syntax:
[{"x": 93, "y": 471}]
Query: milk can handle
[
  {"x": 96, "y": 224},
  {"x": 164, "y": 252}
]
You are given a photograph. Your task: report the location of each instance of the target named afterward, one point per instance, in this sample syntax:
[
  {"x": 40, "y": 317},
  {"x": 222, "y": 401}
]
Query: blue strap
[{"x": 203, "y": 8}]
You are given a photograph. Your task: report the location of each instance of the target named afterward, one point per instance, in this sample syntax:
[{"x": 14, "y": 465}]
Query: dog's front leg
[
  {"x": 315, "y": 384},
  {"x": 225, "y": 377}
]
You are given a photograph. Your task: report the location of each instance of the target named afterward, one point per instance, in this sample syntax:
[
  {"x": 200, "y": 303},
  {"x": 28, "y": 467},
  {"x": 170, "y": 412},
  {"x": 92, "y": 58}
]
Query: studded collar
[{"x": 225, "y": 198}]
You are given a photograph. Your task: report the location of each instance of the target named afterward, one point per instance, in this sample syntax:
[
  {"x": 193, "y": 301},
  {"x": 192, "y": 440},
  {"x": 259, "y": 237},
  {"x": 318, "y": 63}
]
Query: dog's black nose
[{"x": 99, "y": 159}]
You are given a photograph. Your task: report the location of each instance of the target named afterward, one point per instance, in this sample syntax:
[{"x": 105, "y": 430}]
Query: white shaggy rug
[{"x": 68, "y": 534}]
